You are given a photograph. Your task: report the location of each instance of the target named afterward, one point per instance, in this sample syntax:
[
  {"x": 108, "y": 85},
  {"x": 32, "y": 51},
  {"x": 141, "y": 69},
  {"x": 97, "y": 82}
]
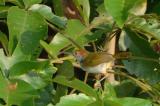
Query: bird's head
[{"x": 80, "y": 54}]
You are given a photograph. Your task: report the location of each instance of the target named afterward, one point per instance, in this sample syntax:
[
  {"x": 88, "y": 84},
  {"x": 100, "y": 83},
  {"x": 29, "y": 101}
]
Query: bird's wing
[{"x": 94, "y": 59}]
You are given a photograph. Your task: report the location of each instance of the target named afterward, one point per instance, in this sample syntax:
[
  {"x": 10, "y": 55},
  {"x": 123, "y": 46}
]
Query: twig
[
  {"x": 62, "y": 59},
  {"x": 142, "y": 85}
]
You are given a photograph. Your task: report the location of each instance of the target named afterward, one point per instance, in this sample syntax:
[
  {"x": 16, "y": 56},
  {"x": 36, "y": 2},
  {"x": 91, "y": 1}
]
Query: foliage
[{"x": 38, "y": 39}]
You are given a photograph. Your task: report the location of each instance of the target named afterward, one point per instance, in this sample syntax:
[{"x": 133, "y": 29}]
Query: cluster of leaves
[{"x": 27, "y": 79}]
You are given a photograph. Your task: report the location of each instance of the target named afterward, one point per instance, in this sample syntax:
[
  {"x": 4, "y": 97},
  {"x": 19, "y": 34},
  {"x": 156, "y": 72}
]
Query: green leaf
[
  {"x": 76, "y": 84},
  {"x": 59, "y": 41},
  {"x": 75, "y": 100},
  {"x": 4, "y": 41},
  {"x": 139, "y": 8},
  {"x": 109, "y": 91},
  {"x": 119, "y": 9},
  {"x": 19, "y": 56},
  {"x": 146, "y": 69},
  {"x": 2, "y": 2},
  {"x": 26, "y": 66},
  {"x": 56, "y": 44},
  {"x": 80, "y": 35},
  {"x": 111, "y": 103},
  {"x": 128, "y": 101},
  {"x": 34, "y": 80},
  {"x": 78, "y": 28},
  {"x": 46, "y": 96},
  {"x": 148, "y": 26},
  {"x": 46, "y": 12},
  {"x": 84, "y": 9},
  {"x": 48, "y": 72},
  {"x": 18, "y": 3},
  {"x": 4, "y": 63},
  {"x": 16, "y": 92},
  {"x": 60, "y": 92},
  {"x": 38, "y": 80},
  {"x": 29, "y": 3},
  {"x": 126, "y": 88},
  {"x": 65, "y": 69},
  {"x": 28, "y": 30},
  {"x": 58, "y": 7},
  {"x": 3, "y": 11}
]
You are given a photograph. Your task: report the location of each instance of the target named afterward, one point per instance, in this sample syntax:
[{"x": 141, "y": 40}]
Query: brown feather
[{"x": 94, "y": 59}]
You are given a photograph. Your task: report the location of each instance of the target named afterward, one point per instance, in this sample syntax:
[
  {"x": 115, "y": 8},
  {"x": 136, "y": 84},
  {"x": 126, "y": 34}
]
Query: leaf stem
[{"x": 59, "y": 60}]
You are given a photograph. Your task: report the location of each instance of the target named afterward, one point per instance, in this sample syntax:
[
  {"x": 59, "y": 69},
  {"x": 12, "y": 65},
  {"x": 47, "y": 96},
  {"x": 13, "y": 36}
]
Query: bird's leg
[{"x": 86, "y": 77}]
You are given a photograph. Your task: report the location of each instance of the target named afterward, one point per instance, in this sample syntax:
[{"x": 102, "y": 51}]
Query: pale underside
[{"x": 101, "y": 68}]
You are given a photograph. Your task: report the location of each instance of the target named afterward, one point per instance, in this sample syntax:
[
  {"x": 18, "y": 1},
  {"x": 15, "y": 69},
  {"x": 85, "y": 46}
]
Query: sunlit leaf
[
  {"x": 47, "y": 13},
  {"x": 4, "y": 63},
  {"x": 128, "y": 101},
  {"x": 80, "y": 35},
  {"x": 119, "y": 9},
  {"x": 75, "y": 100},
  {"x": 28, "y": 30},
  {"x": 139, "y": 8}
]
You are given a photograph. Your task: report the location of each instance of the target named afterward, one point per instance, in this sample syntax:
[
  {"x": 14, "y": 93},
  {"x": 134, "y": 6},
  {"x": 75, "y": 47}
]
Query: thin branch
[{"x": 59, "y": 60}]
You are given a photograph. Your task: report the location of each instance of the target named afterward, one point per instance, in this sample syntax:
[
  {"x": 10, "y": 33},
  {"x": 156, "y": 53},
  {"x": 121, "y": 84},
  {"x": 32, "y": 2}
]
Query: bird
[{"x": 93, "y": 62}]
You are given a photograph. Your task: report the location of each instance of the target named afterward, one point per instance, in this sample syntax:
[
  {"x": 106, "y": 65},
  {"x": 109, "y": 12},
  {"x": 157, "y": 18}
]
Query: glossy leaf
[
  {"x": 27, "y": 66},
  {"x": 75, "y": 100},
  {"x": 30, "y": 28},
  {"x": 119, "y": 9},
  {"x": 76, "y": 84},
  {"x": 33, "y": 79},
  {"x": 4, "y": 63},
  {"x": 146, "y": 69},
  {"x": 47, "y": 13},
  {"x": 57, "y": 44}
]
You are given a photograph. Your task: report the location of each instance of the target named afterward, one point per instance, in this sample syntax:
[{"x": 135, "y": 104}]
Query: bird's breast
[{"x": 101, "y": 68}]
